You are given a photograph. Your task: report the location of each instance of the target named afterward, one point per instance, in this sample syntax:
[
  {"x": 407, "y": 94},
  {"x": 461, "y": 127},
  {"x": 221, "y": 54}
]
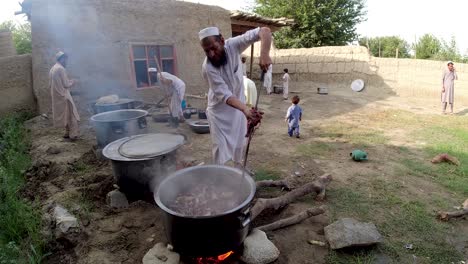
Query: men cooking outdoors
[
  {"x": 227, "y": 112},
  {"x": 64, "y": 112}
]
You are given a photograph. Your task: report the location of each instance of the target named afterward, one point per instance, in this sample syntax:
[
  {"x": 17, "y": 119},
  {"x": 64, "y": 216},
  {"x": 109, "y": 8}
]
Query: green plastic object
[{"x": 358, "y": 155}]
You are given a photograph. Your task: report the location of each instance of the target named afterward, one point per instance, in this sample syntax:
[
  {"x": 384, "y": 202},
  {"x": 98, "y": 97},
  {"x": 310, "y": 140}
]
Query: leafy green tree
[
  {"x": 387, "y": 45},
  {"x": 449, "y": 51},
  {"x": 21, "y": 36},
  {"x": 317, "y": 22},
  {"x": 427, "y": 47}
]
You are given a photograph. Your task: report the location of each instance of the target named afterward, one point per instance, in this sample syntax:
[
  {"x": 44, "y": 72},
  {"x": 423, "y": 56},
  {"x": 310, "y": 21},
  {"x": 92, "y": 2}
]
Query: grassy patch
[
  {"x": 359, "y": 136},
  {"x": 400, "y": 221},
  {"x": 266, "y": 174},
  {"x": 315, "y": 149},
  {"x": 20, "y": 220}
]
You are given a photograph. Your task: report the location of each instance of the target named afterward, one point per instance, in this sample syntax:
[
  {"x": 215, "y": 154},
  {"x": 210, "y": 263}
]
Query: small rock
[
  {"x": 116, "y": 199},
  {"x": 52, "y": 150},
  {"x": 258, "y": 249},
  {"x": 159, "y": 254},
  {"x": 63, "y": 219},
  {"x": 348, "y": 232}
]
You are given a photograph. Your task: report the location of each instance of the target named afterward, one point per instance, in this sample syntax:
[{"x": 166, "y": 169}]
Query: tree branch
[{"x": 293, "y": 219}]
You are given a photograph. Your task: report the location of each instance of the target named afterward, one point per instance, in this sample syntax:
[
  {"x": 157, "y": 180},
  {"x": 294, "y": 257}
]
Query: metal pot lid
[{"x": 150, "y": 145}]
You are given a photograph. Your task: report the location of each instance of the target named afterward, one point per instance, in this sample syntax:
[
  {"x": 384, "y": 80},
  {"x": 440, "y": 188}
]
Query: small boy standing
[
  {"x": 293, "y": 116},
  {"x": 285, "y": 84}
]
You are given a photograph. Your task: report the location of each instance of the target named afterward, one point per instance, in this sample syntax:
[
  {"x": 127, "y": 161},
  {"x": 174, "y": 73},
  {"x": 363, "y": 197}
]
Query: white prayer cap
[
  {"x": 59, "y": 55},
  {"x": 152, "y": 70},
  {"x": 450, "y": 62},
  {"x": 208, "y": 32}
]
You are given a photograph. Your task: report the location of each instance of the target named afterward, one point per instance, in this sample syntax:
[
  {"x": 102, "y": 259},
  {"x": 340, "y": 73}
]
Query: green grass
[
  {"x": 266, "y": 174},
  {"x": 400, "y": 221},
  {"x": 315, "y": 149},
  {"x": 20, "y": 220},
  {"x": 359, "y": 136}
]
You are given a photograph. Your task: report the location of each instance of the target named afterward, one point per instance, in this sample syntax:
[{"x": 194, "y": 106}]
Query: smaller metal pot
[
  {"x": 123, "y": 103},
  {"x": 202, "y": 114},
  {"x": 200, "y": 126},
  {"x": 161, "y": 118},
  {"x": 187, "y": 114}
]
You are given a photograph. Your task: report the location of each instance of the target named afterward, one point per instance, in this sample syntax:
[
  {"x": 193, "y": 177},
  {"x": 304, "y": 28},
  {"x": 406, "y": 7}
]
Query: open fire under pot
[
  {"x": 206, "y": 209},
  {"x": 141, "y": 162},
  {"x": 118, "y": 124}
]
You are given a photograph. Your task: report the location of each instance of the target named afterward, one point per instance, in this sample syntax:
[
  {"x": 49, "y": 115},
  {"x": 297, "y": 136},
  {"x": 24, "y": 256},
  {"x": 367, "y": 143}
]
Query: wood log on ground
[
  {"x": 445, "y": 216},
  {"x": 270, "y": 183},
  {"x": 465, "y": 204},
  {"x": 444, "y": 157},
  {"x": 293, "y": 219},
  {"x": 318, "y": 186}
]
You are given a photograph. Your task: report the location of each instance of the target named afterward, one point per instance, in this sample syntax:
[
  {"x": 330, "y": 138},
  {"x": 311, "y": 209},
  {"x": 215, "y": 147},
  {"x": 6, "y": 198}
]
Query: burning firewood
[
  {"x": 293, "y": 219},
  {"x": 318, "y": 186}
]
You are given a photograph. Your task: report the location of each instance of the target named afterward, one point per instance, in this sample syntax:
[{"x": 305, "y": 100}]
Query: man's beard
[{"x": 221, "y": 62}]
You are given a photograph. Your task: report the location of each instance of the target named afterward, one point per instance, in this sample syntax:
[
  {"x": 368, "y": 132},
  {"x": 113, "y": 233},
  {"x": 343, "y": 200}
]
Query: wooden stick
[
  {"x": 296, "y": 219},
  {"x": 445, "y": 216},
  {"x": 318, "y": 186},
  {"x": 271, "y": 183}
]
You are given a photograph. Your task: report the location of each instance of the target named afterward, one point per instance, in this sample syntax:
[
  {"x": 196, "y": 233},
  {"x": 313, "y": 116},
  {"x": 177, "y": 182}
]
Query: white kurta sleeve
[
  {"x": 244, "y": 41},
  {"x": 67, "y": 83},
  {"x": 217, "y": 84}
]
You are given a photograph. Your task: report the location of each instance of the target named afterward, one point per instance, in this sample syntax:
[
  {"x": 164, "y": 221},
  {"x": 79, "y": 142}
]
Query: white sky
[{"x": 405, "y": 18}]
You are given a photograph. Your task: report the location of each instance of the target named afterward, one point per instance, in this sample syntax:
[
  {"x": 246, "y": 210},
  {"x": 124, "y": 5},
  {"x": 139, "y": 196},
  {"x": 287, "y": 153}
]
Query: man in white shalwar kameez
[
  {"x": 64, "y": 112},
  {"x": 448, "y": 86},
  {"x": 175, "y": 89},
  {"x": 227, "y": 112},
  {"x": 268, "y": 79}
]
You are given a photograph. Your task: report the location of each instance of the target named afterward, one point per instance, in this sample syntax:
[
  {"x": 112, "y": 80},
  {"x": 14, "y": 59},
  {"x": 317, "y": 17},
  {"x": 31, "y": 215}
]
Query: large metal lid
[{"x": 150, "y": 145}]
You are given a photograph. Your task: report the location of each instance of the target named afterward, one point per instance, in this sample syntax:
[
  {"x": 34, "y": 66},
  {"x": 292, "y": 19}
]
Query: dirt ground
[{"x": 80, "y": 182}]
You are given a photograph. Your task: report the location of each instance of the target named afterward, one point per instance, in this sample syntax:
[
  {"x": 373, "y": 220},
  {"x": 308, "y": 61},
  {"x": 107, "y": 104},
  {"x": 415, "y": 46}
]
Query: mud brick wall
[
  {"x": 16, "y": 84},
  {"x": 98, "y": 35}
]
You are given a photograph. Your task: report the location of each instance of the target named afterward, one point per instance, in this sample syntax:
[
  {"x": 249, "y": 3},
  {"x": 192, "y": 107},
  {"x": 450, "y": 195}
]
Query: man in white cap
[
  {"x": 175, "y": 89},
  {"x": 227, "y": 112},
  {"x": 448, "y": 84},
  {"x": 64, "y": 112}
]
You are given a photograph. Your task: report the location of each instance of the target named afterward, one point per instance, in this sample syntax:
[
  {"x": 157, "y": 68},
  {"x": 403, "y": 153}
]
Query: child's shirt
[
  {"x": 286, "y": 79},
  {"x": 293, "y": 115}
]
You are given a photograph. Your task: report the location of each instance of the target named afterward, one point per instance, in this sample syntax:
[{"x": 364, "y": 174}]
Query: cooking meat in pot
[{"x": 205, "y": 200}]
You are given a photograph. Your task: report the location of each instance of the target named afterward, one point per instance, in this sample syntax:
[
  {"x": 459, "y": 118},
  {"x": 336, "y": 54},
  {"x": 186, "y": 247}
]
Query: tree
[
  {"x": 449, "y": 51},
  {"x": 317, "y": 22},
  {"x": 21, "y": 36},
  {"x": 387, "y": 45},
  {"x": 427, "y": 47}
]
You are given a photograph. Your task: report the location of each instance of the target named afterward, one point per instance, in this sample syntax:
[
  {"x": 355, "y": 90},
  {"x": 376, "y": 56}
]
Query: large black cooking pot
[{"x": 206, "y": 236}]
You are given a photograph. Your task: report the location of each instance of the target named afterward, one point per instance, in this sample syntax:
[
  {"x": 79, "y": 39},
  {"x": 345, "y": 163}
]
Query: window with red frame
[{"x": 143, "y": 58}]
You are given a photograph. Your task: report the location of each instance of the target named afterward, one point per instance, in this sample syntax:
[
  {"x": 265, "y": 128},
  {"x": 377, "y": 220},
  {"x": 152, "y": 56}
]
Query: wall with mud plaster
[
  {"x": 16, "y": 84},
  {"x": 336, "y": 67},
  {"x": 97, "y": 35}
]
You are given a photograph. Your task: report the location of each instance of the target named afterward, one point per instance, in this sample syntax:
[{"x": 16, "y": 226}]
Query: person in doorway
[
  {"x": 227, "y": 113},
  {"x": 250, "y": 92},
  {"x": 448, "y": 85},
  {"x": 268, "y": 79},
  {"x": 244, "y": 66},
  {"x": 293, "y": 116},
  {"x": 285, "y": 84},
  {"x": 175, "y": 90},
  {"x": 64, "y": 112}
]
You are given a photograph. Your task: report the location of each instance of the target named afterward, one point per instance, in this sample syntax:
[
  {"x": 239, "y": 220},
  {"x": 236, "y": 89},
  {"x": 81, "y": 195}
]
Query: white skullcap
[
  {"x": 59, "y": 55},
  {"x": 152, "y": 70},
  {"x": 208, "y": 32},
  {"x": 449, "y": 62}
]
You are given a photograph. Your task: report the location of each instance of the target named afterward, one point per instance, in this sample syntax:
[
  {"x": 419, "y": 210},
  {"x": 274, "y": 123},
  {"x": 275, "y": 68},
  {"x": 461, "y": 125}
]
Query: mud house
[{"x": 111, "y": 44}]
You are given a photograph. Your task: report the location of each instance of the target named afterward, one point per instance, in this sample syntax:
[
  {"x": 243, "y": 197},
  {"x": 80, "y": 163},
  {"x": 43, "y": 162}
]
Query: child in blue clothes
[{"x": 293, "y": 116}]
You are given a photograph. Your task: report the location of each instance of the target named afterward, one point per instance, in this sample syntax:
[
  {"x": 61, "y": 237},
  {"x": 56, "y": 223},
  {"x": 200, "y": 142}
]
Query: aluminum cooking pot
[
  {"x": 114, "y": 125},
  {"x": 123, "y": 103},
  {"x": 200, "y": 236},
  {"x": 141, "y": 162}
]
